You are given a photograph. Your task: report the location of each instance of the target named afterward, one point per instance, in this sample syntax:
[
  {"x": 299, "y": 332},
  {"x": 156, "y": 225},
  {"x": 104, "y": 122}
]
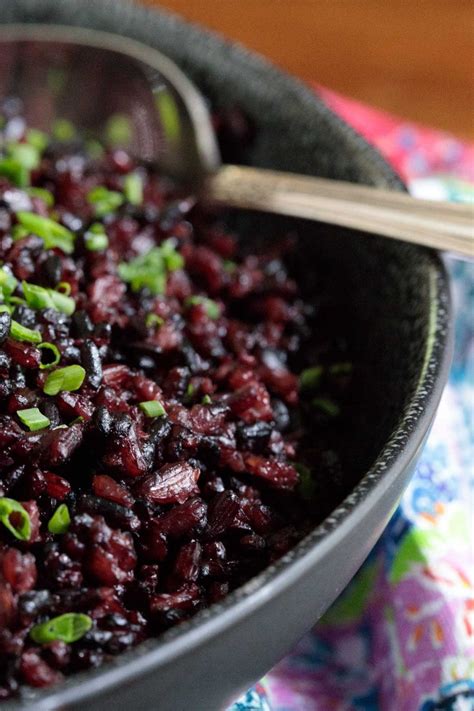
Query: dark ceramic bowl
[{"x": 392, "y": 302}]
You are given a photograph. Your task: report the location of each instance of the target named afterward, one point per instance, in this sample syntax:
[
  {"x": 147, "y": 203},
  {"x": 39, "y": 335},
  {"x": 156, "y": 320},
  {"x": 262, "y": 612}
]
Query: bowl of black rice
[{"x": 206, "y": 418}]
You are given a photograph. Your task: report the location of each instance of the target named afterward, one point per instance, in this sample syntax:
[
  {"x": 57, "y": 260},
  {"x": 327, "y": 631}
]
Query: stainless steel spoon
[{"x": 102, "y": 82}]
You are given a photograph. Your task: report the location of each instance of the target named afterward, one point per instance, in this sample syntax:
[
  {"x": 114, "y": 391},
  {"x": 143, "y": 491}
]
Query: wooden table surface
[{"x": 414, "y": 58}]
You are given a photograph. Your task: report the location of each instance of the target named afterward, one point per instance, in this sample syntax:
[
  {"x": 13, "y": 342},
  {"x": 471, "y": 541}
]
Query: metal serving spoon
[{"x": 106, "y": 83}]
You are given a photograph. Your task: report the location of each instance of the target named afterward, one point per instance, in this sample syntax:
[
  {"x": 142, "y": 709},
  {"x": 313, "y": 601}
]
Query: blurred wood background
[{"x": 414, "y": 58}]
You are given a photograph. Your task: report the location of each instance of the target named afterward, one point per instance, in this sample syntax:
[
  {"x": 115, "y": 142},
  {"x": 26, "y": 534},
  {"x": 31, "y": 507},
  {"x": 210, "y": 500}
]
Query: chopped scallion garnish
[
  {"x": 150, "y": 270},
  {"x": 152, "y": 408},
  {"x": 68, "y": 379},
  {"x": 94, "y": 149},
  {"x": 52, "y": 233},
  {"x": 329, "y": 407},
  {"x": 37, "y": 297},
  {"x": 229, "y": 265},
  {"x": 173, "y": 259},
  {"x": 22, "y": 333},
  {"x": 45, "y": 195},
  {"x": 307, "y": 484},
  {"x": 133, "y": 188},
  {"x": 56, "y": 80},
  {"x": 340, "y": 369},
  {"x": 17, "y": 173},
  {"x": 212, "y": 309},
  {"x": 33, "y": 419},
  {"x": 118, "y": 130},
  {"x": 64, "y": 287},
  {"x": 76, "y": 420},
  {"x": 8, "y": 282},
  {"x": 21, "y": 526},
  {"x": 37, "y": 138},
  {"x": 60, "y": 520},
  {"x": 207, "y": 400},
  {"x": 17, "y": 300},
  {"x": 64, "y": 304},
  {"x": 56, "y": 355},
  {"x": 153, "y": 320},
  {"x": 95, "y": 238},
  {"x": 104, "y": 201},
  {"x": 65, "y": 628},
  {"x": 25, "y": 154},
  {"x": 310, "y": 378},
  {"x": 19, "y": 232},
  {"x": 63, "y": 130}
]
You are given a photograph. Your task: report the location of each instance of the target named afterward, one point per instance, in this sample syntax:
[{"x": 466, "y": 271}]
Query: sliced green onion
[
  {"x": 133, "y": 188},
  {"x": 329, "y": 407},
  {"x": 22, "y": 333},
  {"x": 64, "y": 287},
  {"x": 33, "y": 419},
  {"x": 340, "y": 369},
  {"x": 95, "y": 238},
  {"x": 190, "y": 391},
  {"x": 118, "y": 130},
  {"x": 63, "y": 130},
  {"x": 8, "y": 283},
  {"x": 37, "y": 297},
  {"x": 307, "y": 484},
  {"x": 94, "y": 149},
  {"x": 45, "y": 195},
  {"x": 52, "y": 233},
  {"x": 104, "y": 201},
  {"x": 173, "y": 259},
  {"x": 310, "y": 378},
  {"x": 212, "y": 309},
  {"x": 207, "y": 400},
  {"x": 17, "y": 173},
  {"x": 60, "y": 520},
  {"x": 21, "y": 528},
  {"x": 69, "y": 378},
  {"x": 169, "y": 114},
  {"x": 152, "y": 408},
  {"x": 17, "y": 300},
  {"x": 36, "y": 138},
  {"x": 76, "y": 420},
  {"x": 96, "y": 243},
  {"x": 150, "y": 270},
  {"x": 25, "y": 154},
  {"x": 65, "y": 628},
  {"x": 21, "y": 159},
  {"x": 64, "y": 304},
  {"x": 97, "y": 228},
  {"x": 154, "y": 320},
  {"x": 56, "y": 79},
  {"x": 19, "y": 232},
  {"x": 56, "y": 355},
  {"x": 229, "y": 265}
]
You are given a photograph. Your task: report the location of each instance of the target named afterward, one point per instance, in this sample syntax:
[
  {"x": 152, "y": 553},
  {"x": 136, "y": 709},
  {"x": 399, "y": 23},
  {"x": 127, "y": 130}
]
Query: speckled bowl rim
[{"x": 400, "y": 450}]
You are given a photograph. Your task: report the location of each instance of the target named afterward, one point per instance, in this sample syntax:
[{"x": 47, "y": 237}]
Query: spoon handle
[{"x": 440, "y": 225}]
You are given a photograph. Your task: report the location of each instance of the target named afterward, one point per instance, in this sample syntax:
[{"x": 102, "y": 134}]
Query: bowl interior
[
  {"x": 385, "y": 296},
  {"x": 377, "y": 292}
]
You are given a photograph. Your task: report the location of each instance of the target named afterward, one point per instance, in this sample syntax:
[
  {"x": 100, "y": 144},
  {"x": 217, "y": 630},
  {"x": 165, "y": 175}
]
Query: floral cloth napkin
[{"x": 401, "y": 636}]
